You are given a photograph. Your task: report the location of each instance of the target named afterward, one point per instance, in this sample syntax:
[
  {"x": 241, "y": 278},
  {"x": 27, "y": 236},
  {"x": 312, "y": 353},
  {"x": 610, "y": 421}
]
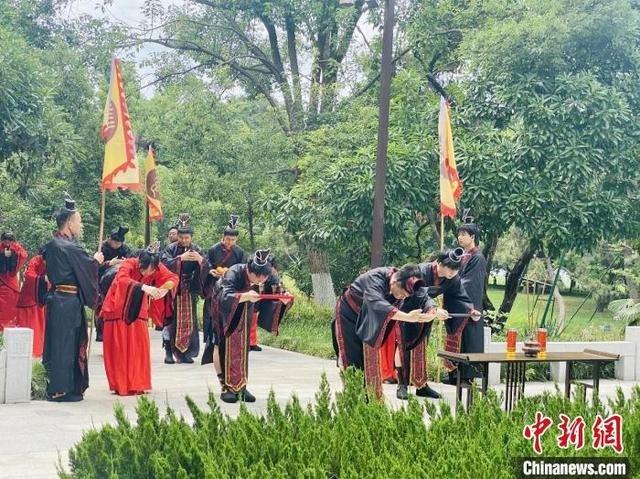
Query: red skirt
[
  {"x": 127, "y": 357},
  {"x": 33, "y": 317},
  {"x": 8, "y": 301}
]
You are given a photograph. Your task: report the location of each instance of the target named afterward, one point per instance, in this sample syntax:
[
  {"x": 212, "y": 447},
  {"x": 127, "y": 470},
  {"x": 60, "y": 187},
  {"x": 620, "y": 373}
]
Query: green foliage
[
  {"x": 358, "y": 438},
  {"x": 626, "y": 310},
  {"x": 305, "y": 328},
  {"x": 39, "y": 381}
]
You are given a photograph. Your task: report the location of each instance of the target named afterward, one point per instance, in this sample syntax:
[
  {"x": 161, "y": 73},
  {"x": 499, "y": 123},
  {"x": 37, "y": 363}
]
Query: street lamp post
[{"x": 386, "y": 69}]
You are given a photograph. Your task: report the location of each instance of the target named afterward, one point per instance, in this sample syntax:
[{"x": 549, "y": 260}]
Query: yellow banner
[
  {"x": 120, "y": 165},
  {"x": 450, "y": 183},
  {"x": 153, "y": 187}
]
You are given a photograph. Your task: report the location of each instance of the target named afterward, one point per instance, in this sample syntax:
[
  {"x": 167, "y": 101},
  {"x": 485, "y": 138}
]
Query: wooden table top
[{"x": 588, "y": 355}]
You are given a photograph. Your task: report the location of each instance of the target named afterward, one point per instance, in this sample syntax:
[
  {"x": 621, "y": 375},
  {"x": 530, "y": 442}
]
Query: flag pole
[
  {"x": 440, "y": 303},
  {"x": 100, "y": 235},
  {"x": 147, "y": 225}
]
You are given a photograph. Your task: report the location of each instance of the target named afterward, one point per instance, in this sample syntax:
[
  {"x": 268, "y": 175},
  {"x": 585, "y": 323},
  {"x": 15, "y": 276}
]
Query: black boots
[
  {"x": 427, "y": 392},
  {"x": 403, "y": 391},
  {"x": 230, "y": 397},
  {"x": 168, "y": 354}
]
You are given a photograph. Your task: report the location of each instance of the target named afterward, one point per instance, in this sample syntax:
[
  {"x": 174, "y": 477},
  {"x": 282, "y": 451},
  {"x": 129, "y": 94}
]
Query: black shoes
[
  {"x": 390, "y": 381},
  {"x": 427, "y": 392},
  {"x": 402, "y": 392},
  {"x": 246, "y": 396},
  {"x": 66, "y": 398},
  {"x": 255, "y": 347},
  {"x": 187, "y": 360},
  {"x": 231, "y": 397}
]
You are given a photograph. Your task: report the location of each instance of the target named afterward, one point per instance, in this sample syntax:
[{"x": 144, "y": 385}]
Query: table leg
[
  {"x": 596, "y": 379},
  {"x": 508, "y": 404},
  {"x": 523, "y": 377},
  {"x": 567, "y": 380},
  {"x": 458, "y": 386},
  {"x": 485, "y": 378}
]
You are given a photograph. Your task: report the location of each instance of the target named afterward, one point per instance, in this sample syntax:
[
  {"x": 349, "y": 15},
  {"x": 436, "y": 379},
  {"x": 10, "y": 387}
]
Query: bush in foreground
[{"x": 348, "y": 438}]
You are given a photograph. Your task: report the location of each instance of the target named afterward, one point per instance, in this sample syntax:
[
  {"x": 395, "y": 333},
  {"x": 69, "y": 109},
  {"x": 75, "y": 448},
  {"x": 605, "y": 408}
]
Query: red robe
[
  {"x": 9, "y": 287},
  {"x": 31, "y": 311},
  {"x": 126, "y": 311}
]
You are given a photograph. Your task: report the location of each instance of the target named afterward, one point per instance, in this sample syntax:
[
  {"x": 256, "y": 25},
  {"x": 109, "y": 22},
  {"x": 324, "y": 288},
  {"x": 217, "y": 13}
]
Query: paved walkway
[{"x": 34, "y": 435}]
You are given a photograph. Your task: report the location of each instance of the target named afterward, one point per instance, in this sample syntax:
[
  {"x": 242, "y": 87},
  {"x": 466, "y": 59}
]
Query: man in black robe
[
  {"x": 370, "y": 308},
  {"x": 73, "y": 276},
  {"x": 220, "y": 258},
  {"x": 181, "y": 337},
  {"x": 235, "y": 298},
  {"x": 473, "y": 272},
  {"x": 440, "y": 277},
  {"x": 115, "y": 251}
]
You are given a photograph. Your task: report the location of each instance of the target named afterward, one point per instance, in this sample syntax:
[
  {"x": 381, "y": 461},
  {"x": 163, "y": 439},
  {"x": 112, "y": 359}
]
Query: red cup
[
  {"x": 542, "y": 339},
  {"x": 512, "y": 337}
]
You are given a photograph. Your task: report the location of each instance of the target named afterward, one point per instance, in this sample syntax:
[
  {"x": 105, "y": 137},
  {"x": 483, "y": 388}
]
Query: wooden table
[{"x": 516, "y": 368}]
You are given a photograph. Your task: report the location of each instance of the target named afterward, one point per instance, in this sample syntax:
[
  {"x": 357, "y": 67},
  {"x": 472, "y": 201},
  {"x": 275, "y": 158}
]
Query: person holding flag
[{"x": 473, "y": 274}]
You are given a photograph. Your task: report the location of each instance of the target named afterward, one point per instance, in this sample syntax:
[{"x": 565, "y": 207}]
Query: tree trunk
[
  {"x": 513, "y": 280},
  {"x": 252, "y": 236},
  {"x": 556, "y": 294},
  {"x": 632, "y": 286},
  {"x": 323, "y": 292},
  {"x": 489, "y": 252}
]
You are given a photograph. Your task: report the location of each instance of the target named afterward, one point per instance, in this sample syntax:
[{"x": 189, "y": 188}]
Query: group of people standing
[
  {"x": 382, "y": 322},
  {"x": 126, "y": 290},
  {"x": 384, "y": 318}
]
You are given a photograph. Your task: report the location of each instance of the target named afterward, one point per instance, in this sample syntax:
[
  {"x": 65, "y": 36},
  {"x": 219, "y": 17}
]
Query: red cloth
[
  {"x": 30, "y": 314},
  {"x": 127, "y": 357},
  {"x": 9, "y": 288},
  {"x": 253, "y": 332},
  {"x": 387, "y": 356},
  {"x": 126, "y": 346}
]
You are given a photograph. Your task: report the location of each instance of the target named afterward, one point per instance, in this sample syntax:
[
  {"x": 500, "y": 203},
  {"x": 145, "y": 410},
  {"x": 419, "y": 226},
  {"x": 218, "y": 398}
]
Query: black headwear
[
  {"x": 232, "y": 228},
  {"x": 119, "y": 233},
  {"x": 184, "y": 226},
  {"x": 69, "y": 203},
  {"x": 259, "y": 263},
  {"x": 468, "y": 225},
  {"x": 7, "y": 236}
]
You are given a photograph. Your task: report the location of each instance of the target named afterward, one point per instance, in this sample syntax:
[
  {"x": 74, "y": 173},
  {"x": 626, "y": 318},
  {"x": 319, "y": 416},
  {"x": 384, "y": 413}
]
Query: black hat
[
  {"x": 7, "y": 236},
  {"x": 468, "y": 225},
  {"x": 119, "y": 233},
  {"x": 455, "y": 255},
  {"x": 184, "y": 226},
  {"x": 69, "y": 203},
  {"x": 232, "y": 228},
  {"x": 259, "y": 263}
]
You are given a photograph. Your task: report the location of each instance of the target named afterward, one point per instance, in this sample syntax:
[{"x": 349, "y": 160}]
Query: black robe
[
  {"x": 232, "y": 325},
  {"x": 183, "y": 326},
  {"x": 472, "y": 275},
  {"x": 363, "y": 320},
  {"x": 65, "y": 344},
  {"x": 270, "y": 313},
  {"x": 455, "y": 300},
  {"x": 217, "y": 257},
  {"x": 109, "y": 253}
]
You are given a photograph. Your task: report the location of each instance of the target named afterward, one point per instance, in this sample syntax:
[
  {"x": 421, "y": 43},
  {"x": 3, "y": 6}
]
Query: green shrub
[
  {"x": 39, "y": 381},
  {"x": 305, "y": 328},
  {"x": 349, "y": 438}
]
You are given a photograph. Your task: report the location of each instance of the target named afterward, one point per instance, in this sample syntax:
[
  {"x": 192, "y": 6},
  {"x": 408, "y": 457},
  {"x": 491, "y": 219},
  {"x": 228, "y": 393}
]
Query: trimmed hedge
[{"x": 349, "y": 438}]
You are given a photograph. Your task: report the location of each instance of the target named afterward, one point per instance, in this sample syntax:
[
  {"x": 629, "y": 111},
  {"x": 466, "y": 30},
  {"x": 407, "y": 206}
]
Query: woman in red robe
[
  {"x": 31, "y": 311},
  {"x": 12, "y": 257},
  {"x": 141, "y": 290}
]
